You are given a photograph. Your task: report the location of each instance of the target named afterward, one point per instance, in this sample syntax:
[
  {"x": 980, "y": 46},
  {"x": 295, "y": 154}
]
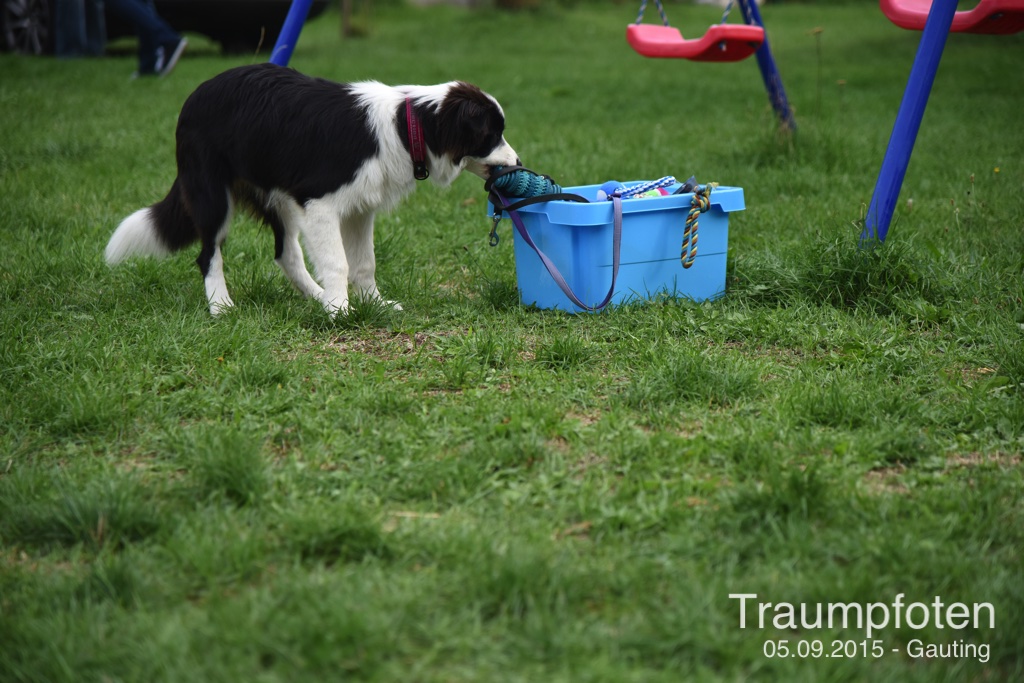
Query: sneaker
[{"x": 168, "y": 56}]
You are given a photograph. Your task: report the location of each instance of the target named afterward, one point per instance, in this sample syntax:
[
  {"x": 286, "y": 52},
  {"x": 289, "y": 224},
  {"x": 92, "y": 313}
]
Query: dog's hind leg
[
  {"x": 213, "y": 217},
  {"x": 284, "y": 218},
  {"x": 357, "y": 234},
  {"x": 213, "y": 277}
]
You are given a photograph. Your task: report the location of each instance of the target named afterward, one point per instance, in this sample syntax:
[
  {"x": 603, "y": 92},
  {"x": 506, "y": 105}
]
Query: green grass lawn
[{"x": 472, "y": 490}]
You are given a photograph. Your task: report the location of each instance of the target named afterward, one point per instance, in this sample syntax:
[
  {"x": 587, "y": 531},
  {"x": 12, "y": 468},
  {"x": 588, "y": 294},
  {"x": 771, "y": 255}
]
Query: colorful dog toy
[
  {"x": 654, "y": 188},
  {"x": 522, "y": 183}
]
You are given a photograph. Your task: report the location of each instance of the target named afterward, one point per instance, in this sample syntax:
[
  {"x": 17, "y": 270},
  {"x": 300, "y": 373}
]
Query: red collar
[{"x": 417, "y": 149}]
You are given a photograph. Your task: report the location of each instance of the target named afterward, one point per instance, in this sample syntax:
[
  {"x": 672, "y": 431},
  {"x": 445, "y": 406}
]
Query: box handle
[{"x": 553, "y": 270}]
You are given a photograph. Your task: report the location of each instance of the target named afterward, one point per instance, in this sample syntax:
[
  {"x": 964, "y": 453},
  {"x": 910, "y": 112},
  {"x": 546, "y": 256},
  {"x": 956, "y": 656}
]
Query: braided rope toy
[
  {"x": 524, "y": 183},
  {"x": 700, "y": 203},
  {"x": 642, "y": 188}
]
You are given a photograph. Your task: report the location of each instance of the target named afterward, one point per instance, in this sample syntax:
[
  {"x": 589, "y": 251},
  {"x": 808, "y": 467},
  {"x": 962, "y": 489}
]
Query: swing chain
[
  {"x": 661, "y": 11},
  {"x": 664, "y": 17},
  {"x": 725, "y": 14}
]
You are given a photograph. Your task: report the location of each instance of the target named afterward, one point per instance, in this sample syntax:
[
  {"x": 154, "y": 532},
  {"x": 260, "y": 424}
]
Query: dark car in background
[{"x": 27, "y": 26}]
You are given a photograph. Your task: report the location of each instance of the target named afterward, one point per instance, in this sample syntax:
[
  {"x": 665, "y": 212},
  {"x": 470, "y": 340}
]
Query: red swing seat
[
  {"x": 721, "y": 43},
  {"x": 998, "y": 17}
]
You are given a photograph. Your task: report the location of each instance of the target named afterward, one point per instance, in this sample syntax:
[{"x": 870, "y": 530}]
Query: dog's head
[{"x": 470, "y": 132}]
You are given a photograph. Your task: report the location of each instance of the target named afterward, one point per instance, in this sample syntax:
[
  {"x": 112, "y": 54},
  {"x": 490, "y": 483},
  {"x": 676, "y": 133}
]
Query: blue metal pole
[
  {"x": 769, "y": 72},
  {"x": 289, "y": 35},
  {"x": 908, "y": 120}
]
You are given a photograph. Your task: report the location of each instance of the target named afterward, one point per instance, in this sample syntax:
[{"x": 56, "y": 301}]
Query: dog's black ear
[
  {"x": 479, "y": 127},
  {"x": 470, "y": 123},
  {"x": 472, "y": 116}
]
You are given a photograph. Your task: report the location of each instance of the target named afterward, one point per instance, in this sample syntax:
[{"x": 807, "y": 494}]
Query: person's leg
[
  {"x": 69, "y": 37},
  {"x": 95, "y": 28},
  {"x": 153, "y": 32}
]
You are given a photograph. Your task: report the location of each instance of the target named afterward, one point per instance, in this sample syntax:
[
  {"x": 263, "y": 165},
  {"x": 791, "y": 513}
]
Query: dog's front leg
[
  {"x": 321, "y": 232},
  {"x": 357, "y": 234}
]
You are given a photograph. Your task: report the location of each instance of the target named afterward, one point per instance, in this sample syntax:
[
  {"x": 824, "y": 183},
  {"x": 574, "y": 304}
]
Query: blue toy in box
[{"x": 574, "y": 238}]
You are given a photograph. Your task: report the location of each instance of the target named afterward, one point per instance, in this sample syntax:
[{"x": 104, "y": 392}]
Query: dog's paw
[
  {"x": 335, "y": 307},
  {"x": 221, "y": 305},
  {"x": 395, "y": 306}
]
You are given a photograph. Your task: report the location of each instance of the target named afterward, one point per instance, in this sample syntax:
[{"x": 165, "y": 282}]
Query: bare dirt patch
[
  {"x": 1002, "y": 460},
  {"x": 886, "y": 480},
  {"x": 385, "y": 344}
]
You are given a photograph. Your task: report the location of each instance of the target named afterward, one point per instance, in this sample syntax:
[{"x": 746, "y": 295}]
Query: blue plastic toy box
[{"x": 577, "y": 238}]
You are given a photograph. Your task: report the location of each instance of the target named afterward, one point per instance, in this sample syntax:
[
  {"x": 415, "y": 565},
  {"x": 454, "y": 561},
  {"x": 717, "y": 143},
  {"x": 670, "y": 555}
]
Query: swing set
[
  {"x": 722, "y": 42},
  {"x": 936, "y": 20}
]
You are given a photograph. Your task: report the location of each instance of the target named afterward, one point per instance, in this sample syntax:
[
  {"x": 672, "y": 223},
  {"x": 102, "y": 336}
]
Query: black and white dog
[{"x": 310, "y": 157}]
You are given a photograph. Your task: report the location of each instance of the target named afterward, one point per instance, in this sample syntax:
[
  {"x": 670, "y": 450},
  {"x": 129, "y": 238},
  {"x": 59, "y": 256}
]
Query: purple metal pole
[
  {"x": 908, "y": 120},
  {"x": 769, "y": 72},
  {"x": 289, "y": 35}
]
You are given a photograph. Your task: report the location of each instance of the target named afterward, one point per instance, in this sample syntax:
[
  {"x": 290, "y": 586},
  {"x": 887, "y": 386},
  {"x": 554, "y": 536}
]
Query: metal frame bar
[
  {"x": 290, "y": 31},
  {"x": 908, "y": 120}
]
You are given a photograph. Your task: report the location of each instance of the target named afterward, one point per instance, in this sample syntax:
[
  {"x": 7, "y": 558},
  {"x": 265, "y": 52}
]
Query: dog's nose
[{"x": 518, "y": 162}]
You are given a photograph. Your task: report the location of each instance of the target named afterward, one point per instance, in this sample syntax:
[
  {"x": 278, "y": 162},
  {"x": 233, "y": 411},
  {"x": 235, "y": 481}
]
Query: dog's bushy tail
[{"x": 157, "y": 230}]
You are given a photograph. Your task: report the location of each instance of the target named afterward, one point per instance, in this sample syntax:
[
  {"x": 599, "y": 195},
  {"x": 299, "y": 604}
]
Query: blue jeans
[
  {"x": 153, "y": 32},
  {"x": 80, "y": 29}
]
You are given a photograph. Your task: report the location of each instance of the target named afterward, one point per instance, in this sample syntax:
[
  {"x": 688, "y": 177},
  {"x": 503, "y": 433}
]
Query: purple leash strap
[{"x": 553, "y": 270}]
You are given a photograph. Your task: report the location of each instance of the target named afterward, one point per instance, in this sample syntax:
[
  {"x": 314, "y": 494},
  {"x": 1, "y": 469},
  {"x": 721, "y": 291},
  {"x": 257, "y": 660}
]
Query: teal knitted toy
[{"x": 524, "y": 183}]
